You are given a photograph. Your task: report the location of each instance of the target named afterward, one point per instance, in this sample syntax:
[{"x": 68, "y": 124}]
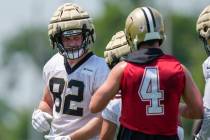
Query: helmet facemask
[{"x": 74, "y": 52}]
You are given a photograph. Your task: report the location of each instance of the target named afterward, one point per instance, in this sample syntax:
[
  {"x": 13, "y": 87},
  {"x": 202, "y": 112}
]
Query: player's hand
[
  {"x": 40, "y": 121},
  {"x": 49, "y": 137},
  {"x": 116, "y": 48}
]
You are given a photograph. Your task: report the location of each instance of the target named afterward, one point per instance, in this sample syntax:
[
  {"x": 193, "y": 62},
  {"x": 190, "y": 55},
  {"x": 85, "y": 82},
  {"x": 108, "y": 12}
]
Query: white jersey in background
[
  {"x": 72, "y": 93},
  {"x": 206, "y": 73},
  {"x": 204, "y": 133}
]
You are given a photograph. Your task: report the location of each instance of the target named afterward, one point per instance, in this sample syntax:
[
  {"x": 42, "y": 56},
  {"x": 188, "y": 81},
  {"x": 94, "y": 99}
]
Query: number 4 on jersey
[{"x": 149, "y": 90}]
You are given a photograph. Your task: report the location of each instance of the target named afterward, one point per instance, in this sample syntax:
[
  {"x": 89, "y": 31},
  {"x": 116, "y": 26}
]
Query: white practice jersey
[
  {"x": 206, "y": 73},
  {"x": 72, "y": 92},
  {"x": 113, "y": 110}
]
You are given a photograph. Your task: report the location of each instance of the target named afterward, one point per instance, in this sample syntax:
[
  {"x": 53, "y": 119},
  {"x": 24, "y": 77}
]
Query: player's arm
[
  {"x": 108, "y": 90},
  {"x": 196, "y": 127},
  {"x": 110, "y": 117},
  {"x": 92, "y": 128},
  {"x": 46, "y": 103},
  {"x": 193, "y": 107},
  {"x": 108, "y": 130}
]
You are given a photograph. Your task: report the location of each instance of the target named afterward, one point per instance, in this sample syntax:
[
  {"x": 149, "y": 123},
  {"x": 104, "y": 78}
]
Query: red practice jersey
[{"x": 151, "y": 94}]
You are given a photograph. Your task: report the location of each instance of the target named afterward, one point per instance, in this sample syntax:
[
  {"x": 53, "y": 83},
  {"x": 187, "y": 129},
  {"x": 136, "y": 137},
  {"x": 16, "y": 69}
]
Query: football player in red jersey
[
  {"x": 151, "y": 83},
  {"x": 114, "y": 52}
]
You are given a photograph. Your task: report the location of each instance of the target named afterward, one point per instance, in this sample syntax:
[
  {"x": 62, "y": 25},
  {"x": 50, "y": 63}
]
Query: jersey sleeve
[
  {"x": 112, "y": 111},
  {"x": 180, "y": 132},
  {"x": 46, "y": 72},
  {"x": 101, "y": 75}
]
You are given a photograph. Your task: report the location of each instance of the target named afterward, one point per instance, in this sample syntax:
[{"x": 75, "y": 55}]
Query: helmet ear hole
[{"x": 205, "y": 29}]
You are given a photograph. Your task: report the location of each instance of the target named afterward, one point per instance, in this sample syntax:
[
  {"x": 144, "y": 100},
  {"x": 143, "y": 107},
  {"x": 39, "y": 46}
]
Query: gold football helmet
[
  {"x": 116, "y": 49},
  {"x": 144, "y": 24},
  {"x": 203, "y": 28},
  {"x": 68, "y": 20}
]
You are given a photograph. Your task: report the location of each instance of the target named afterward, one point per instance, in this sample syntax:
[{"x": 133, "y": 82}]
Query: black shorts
[{"x": 127, "y": 134}]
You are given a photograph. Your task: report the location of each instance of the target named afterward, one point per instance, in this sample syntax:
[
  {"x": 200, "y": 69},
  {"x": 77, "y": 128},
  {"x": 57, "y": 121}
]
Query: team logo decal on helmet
[
  {"x": 69, "y": 20},
  {"x": 144, "y": 24}
]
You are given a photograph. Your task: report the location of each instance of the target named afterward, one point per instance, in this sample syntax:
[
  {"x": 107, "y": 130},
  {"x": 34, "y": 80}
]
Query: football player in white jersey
[
  {"x": 115, "y": 50},
  {"x": 203, "y": 28},
  {"x": 71, "y": 76}
]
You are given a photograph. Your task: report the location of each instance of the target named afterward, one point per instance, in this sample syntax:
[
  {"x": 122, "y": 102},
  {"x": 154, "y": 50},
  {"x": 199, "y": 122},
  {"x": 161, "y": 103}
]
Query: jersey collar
[
  {"x": 70, "y": 69},
  {"x": 143, "y": 56}
]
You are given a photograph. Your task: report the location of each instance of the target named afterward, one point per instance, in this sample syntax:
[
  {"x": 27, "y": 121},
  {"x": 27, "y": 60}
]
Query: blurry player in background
[
  {"x": 116, "y": 49},
  {"x": 151, "y": 83},
  {"x": 71, "y": 77},
  {"x": 203, "y": 28}
]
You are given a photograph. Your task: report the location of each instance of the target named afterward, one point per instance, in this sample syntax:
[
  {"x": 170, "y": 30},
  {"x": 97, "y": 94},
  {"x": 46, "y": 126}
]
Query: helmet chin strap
[
  {"x": 135, "y": 44},
  {"x": 206, "y": 45},
  {"x": 66, "y": 64}
]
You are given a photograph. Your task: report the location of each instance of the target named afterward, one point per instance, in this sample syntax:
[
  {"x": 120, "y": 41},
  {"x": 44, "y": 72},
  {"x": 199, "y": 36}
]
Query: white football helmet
[
  {"x": 144, "y": 24},
  {"x": 69, "y": 20},
  {"x": 203, "y": 28}
]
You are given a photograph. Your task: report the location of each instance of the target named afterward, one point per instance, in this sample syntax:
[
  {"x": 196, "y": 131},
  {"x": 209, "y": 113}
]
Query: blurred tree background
[{"x": 33, "y": 44}]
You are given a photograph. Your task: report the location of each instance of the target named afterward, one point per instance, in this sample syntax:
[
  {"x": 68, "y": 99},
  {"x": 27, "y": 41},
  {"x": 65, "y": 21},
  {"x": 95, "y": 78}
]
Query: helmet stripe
[
  {"x": 150, "y": 18},
  {"x": 147, "y": 20},
  {"x": 153, "y": 17}
]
